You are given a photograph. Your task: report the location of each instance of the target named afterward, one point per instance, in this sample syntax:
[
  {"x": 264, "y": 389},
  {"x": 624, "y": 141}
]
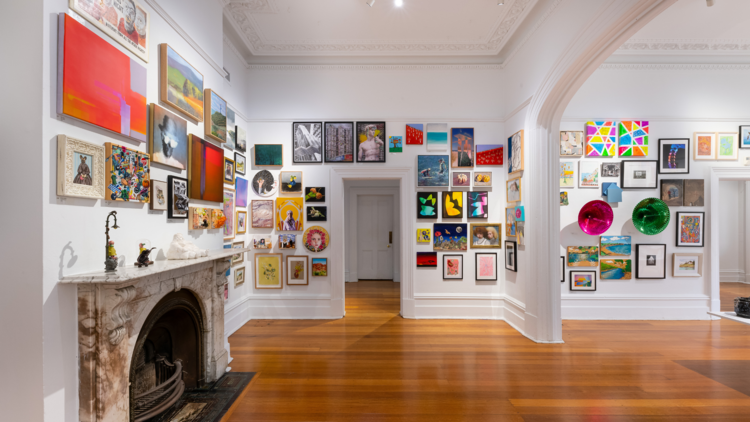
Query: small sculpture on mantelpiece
[
  {"x": 143, "y": 256},
  {"x": 182, "y": 249},
  {"x": 110, "y": 254}
]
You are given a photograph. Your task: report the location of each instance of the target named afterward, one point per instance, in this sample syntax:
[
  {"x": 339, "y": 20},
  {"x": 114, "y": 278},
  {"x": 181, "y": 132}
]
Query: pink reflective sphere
[{"x": 595, "y": 218}]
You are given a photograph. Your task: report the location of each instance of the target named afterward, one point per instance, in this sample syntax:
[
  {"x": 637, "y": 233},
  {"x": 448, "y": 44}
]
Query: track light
[
  {"x": 370, "y": 2},
  {"x": 709, "y": 3}
]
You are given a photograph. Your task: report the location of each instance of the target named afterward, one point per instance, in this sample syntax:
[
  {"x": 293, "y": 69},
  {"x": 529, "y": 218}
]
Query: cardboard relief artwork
[{"x": 129, "y": 174}]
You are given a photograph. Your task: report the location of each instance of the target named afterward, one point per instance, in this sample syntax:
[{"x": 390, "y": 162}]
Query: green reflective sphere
[{"x": 651, "y": 216}]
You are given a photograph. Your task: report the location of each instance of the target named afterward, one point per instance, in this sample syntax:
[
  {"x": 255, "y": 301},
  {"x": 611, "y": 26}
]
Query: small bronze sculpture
[{"x": 143, "y": 257}]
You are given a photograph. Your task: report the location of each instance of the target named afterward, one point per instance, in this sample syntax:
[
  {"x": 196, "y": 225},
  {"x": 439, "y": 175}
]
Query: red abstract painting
[
  {"x": 489, "y": 155},
  {"x": 414, "y": 134},
  {"x": 206, "y": 175}
]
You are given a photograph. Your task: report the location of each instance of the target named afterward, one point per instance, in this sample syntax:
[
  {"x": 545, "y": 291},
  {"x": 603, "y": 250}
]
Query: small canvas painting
[
  {"x": 510, "y": 222},
  {"x": 268, "y": 155},
  {"x": 158, "y": 195},
  {"x": 287, "y": 241},
  {"x": 615, "y": 269},
  {"x": 262, "y": 214},
  {"x": 461, "y": 179},
  {"x": 482, "y": 178},
  {"x": 320, "y": 267},
  {"x": 672, "y": 192},
  {"x": 564, "y": 202},
  {"x": 437, "y": 137},
  {"x": 291, "y": 181},
  {"x": 231, "y": 130},
  {"x": 432, "y": 170},
  {"x": 449, "y": 237},
  {"x": 315, "y": 194},
  {"x": 216, "y": 117},
  {"x": 567, "y": 174},
  {"x": 240, "y": 186},
  {"x": 478, "y": 204},
  {"x": 615, "y": 245},
  {"x": 704, "y": 145},
  {"x": 633, "y": 138},
  {"x": 218, "y": 220},
  {"x": 395, "y": 144},
  {"x": 513, "y": 190},
  {"x": 265, "y": 183},
  {"x": 427, "y": 204},
  {"x": 423, "y": 236},
  {"x": 200, "y": 218},
  {"x": 453, "y": 204},
  {"x": 462, "y": 147},
  {"x": 262, "y": 241},
  {"x": 426, "y": 259},
  {"x": 571, "y": 143},
  {"x": 490, "y": 155},
  {"x": 370, "y": 141},
  {"x": 601, "y": 138},
  {"x": 583, "y": 256},
  {"x": 414, "y": 134},
  {"x": 317, "y": 213}
]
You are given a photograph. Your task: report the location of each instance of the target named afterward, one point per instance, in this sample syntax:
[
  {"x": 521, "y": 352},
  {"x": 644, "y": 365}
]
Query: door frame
[
  {"x": 352, "y": 275},
  {"x": 405, "y": 176}
]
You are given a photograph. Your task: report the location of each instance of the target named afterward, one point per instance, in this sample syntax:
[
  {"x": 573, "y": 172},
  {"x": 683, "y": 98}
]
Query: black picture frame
[
  {"x": 384, "y": 139},
  {"x": 444, "y": 211},
  {"x": 294, "y": 152},
  {"x": 476, "y": 266},
  {"x": 511, "y": 247},
  {"x": 244, "y": 159},
  {"x": 461, "y": 257},
  {"x": 426, "y": 195},
  {"x": 562, "y": 268},
  {"x": 170, "y": 197},
  {"x": 739, "y": 135},
  {"x": 323, "y": 210},
  {"x": 348, "y": 138},
  {"x": 638, "y": 261},
  {"x": 702, "y": 227},
  {"x": 320, "y": 190},
  {"x": 570, "y": 276},
  {"x": 623, "y": 170},
  {"x": 687, "y": 156}
]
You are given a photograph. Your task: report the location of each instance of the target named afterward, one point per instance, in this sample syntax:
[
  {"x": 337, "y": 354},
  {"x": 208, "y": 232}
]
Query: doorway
[
  {"x": 375, "y": 237},
  {"x": 733, "y": 242}
]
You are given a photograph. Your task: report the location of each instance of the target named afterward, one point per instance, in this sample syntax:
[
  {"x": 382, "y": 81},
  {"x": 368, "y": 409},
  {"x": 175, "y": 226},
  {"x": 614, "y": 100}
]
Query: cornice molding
[
  {"x": 528, "y": 35},
  {"x": 663, "y": 119},
  {"x": 675, "y": 66},
  {"x": 372, "y": 67},
  {"x": 685, "y": 46}
]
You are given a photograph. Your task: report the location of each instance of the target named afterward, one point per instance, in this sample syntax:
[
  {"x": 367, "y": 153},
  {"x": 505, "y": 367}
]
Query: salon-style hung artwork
[
  {"x": 178, "y": 202},
  {"x": 478, "y": 204},
  {"x": 515, "y": 153},
  {"x": 690, "y": 229},
  {"x": 571, "y": 143},
  {"x": 206, "y": 170},
  {"x": 268, "y": 271},
  {"x": 215, "y": 117},
  {"x": 427, "y": 204},
  {"x": 453, "y": 204},
  {"x": 307, "y": 142},
  {"x": 462, "y": 147},
  {"x": 129, "y": 173},
  {"x": 450, "y": 237},
  {"x": 167, "y": 138},
  {"x": 370, "y": 142},
  {"x": 261, "y": 213},
  {"x": 80, "y": 168},
  {"x": 674, "y": 156}
]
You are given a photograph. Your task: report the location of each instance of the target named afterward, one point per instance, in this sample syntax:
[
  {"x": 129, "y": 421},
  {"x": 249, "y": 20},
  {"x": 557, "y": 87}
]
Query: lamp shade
[
  {"x": 595, "y": 218},
  {"x": 651, "y": 216}
]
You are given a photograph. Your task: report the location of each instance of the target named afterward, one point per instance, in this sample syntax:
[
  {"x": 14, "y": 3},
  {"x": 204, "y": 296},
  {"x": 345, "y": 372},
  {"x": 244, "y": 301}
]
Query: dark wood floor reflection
[{"x": 374, "y": 365}]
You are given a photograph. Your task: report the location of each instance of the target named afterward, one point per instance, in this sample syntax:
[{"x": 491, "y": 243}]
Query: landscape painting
[
  {"x": 567, "y": 174},
  {"x": 449, "y": 237},
  {"x": 583, "y": 256},
  {"x": 615, "y": 245},
  {"x": 216, "y": 115},
  {"x": 320, "y": 267},
  {"x": 432, "y": 170},
  {"x": 437, "y": 136},
  {"x": 181, "y": 84},
  {"x": 615, "y": 269},
  {"x": 426, "y": 259},
  {"x": 231, "y": 130}
]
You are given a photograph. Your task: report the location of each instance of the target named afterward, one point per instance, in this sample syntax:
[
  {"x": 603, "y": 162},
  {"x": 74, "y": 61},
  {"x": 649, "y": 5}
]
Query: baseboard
[
  {"x": 496, "y": 307},
  {"x": 732, "y": 276},
  {"x": 279, "y": 307},
  {"x": 613, "y": 307}
]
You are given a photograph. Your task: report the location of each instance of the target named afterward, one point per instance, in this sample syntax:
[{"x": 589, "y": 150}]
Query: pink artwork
[
  {"x": 452, "y": 265},
  {"x": 486, "y": 266}
]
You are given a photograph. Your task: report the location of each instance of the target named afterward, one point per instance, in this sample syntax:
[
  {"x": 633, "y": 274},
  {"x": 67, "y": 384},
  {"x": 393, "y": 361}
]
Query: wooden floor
[{"x": 374, "y": 365}]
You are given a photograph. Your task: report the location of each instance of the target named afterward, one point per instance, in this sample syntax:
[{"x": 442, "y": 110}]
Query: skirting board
[
  {"x": 732, "y": 276},
  {"x": 580, "y": 307},
  {"x": 254, "y": 307}
]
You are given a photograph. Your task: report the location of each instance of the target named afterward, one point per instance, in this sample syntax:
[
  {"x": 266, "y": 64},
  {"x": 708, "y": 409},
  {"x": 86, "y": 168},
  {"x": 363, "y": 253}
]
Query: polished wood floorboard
[
  {"x": 374, "y": 365},
  {"x": 729, "y": 291}
]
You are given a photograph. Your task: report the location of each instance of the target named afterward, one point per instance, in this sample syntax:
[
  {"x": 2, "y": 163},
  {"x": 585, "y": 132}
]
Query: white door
[{"x": 375, "y": 237}]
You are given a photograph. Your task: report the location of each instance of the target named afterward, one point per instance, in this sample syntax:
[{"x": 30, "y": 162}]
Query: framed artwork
[
  {"x": 317, "y": 213},
  {"x": 178, "y": 202},
  {"x": 485, "y": 266},
  {"x": 181, "y": 85},
  {"x": 610, "y": 169},
  {"x": 745, "y": 136},
  {"x": 129, "y": 173},
  {"x": 291, "y": 181},
  {"x": 520, "y": 232},
  {"x": 727, "y": 146},
  {"x": 228, "y": 209},
  {"x": 241, "y": 144},
  {"x": 567, "y": 174},
  {"x": 315, "y": 194},
  {"x": 427, "y": 204},
  {"x": 110, "y": 93},
  {"x": 485, "y": 235},
  {"x": 432, "y": 170},
  {"x": 264, "y": 183},
  {"x": 479, "y": 205},
  {"x": 637, "y": 174},
  {"x": 297, "y": 271},
  {"x": 238, "y": 258},
  {"x": 414, "y": 133},
  {"x": 562, "y": 269},
  {"x": 453, "y": 205},
  {"x": 205, "y": 172},
  {"x": 289, "y": 214},
  {"x": 520, "y": 213},
  {"x": 339, "y": 142},
  {"x": 262, "y": 241},
  {"x": 133, "y": 30},
  {"x": 571, "y": 143},
  {"x": 461, "y": 179},
  {"x": 687, "y": 264},
  {"x": 515, "y": 153},
  {"x": 316, "y": 239},
  {"x": 511, "y": 256},
  {"x": 694, "y": 193},
  {"x": 490, "y": 155},
  {"x": 261, "y": 214},
  {"x": 218, "y": 219},
  {"x": 513, "y": 190},
  {"x": 168, "y": 138},
  {"x": 426, "y": 259},
  {"x": 674, "y": 156},
  {"x": 320, "y": 267},
  {"x": 226, "y": 290},
  {"x": 239, "y": 277},
  {"x": 462, "y": 147},
  {"x": 395, "y": 144},
  {"x": 228, "y": 171},
  {"x": 199, "y": 218},
  {"x": 672, "y": 192},
  {"x": 582, "y": 281},
  {"x": 241, "y": 218},
  {"x": 453, "y": 267},
  {"x": 231, "y": 142},
  {"x": 650, "y": 261},
  {"x": 482, "y": 179},
  {"x": 158, "y": 195},
  {"x": 268, "y": 155},
  {"x": 510, "y": 222},
  {"x": 449, "y": 237},
  {"x": 268, "y": 271},
  {"x": 601, "y": 139},
  {"x": 633, "y": 138},
  {"x": 370, "y": 142},
  {"x": 615, "y": 269},
  {"x": 287, "y": 241},
  {"x": 239, "y": 163},
  {"x": 690, "y": 229},
  {"x": 588, "y": 174},
  {"x": 423, "y": 236},
  {"x": 583, "y": 256},
  {"x": 704, "y": 146},
  {"x": 564, "y": 199},
  {"x": 229, "y": 270},
  {"x": 215, "y": 116},
  {"x": 80, "y": 169},
  {"x": 437, "y": 137},
  {"x": 307, "y": 142},
  {"x": 240, "y": 186},
  {"x": 615, "y": 245}
]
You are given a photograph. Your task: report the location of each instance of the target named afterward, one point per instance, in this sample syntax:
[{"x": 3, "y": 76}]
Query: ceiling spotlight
[
  {"x": 370, "y": 2},
  {"x": 399, "y": 3},
  {"x": 709, "y": 3},
  {"x": 500, "y": 2}
]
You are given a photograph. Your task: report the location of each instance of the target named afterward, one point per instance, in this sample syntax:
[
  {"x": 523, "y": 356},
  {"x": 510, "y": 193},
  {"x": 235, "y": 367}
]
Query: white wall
[{"x": 732, "y": 230}]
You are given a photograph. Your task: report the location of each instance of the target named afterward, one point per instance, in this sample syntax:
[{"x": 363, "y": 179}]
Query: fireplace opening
[{"x": 168, "y": 357}]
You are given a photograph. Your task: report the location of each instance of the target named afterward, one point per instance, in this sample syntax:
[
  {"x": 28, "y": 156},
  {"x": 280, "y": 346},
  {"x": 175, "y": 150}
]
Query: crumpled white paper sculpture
[{"x": 182, "y": 249}]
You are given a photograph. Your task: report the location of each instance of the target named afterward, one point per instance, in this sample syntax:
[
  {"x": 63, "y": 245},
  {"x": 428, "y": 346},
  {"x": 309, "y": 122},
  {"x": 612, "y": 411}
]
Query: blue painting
[
  {"x": 432, "y": 170},
  {"x": 437, "y": 136},
  {"x": 616, "y": 245},
  {"x": 449, "y": 237}
]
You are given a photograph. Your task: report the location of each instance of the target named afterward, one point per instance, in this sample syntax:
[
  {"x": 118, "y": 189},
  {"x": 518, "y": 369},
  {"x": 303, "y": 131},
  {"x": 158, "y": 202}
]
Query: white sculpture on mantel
[{"x": 182, "y": 249}]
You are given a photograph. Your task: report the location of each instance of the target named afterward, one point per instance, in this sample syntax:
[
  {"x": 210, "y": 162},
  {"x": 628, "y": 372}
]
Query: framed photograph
[
  {"x": 339, "y": 142},
  {"x": 601, "y": 139},
  {"x": 704, "y": 146},
  {"x": 571, "y": 143},
  {"x": 178, "y": 202},
  {"x": 485, "y": 236},
  {"x": 432, "y": 170},
  {"x": 80, "y": 169},
  {"x": 449, "y": 237},
  {"x": 690, "y": 229},
  {"x": 261, "y": 213},
  {"x": 128, "y": 172},
  {"x": 479, "y": 204},
  {"x": 395, "y": 144},
  {"x": 482, "y": 179},
  {"x": 231, "y": 142},
  {"x": 167, "y": 138},
  {"x": 453, "y": 267},
  {"x": 694, "y": 193},
  {"x": 239, "y": 163},
  {"x": 582, "y": 281},
  {"x": 370, "y": 141},
  {"x": 672, "y": 192},
  {"x": 218, "y": 220},
  {"x": 567, "y": 174},
  {"x": 745, "y": 136},
  {"x": 320, "y": 267},
  {"x": 511, "y": 256},
  {"x": 315, "y": 194},
  {"x": 564, "y": 202},
  {"x": 265, "y": 183},
  {"x": 238, "y": 258},
  {"x": 317, "y": 213},
  {"x": 307, "y": 141},
  {"x": 462, "y": 147},
  {"x": 615, "y": 245},
  {"x": 674, "y": 156},
  {"x": 228, "y": 171},
  {"x": 158, "y": 195},
  {"x": 510, "y": 222},
  {"x": 424, "y": 236},
  {"x": 228, "y": 208},
  {"x": 485, "y": 266},
  {"x": 215, "y": 116},
  {"x": 633, "y": 138},
  {"x": 241, "y": 222},
  {"x": 291, "y": 181},
  {"x": 562, "y": 269},
  {"x": 615, "y": 269},
  {"x": 610, "y": 169},
  {"x": 205, "y": 171},
  {"x": 427, "y": 203},
  {"x": 199, "y": 218},
  {"x": 588, "y": 172},
  {"x": 687, "y": 264},
  {"x": 437, "y": 137},
  {"x": 289, "y": 214},
  {"x": 490, "y": 155},
  {"x": 240, "y": 184},
  {"x": 639, "y": 174},
  {"x": 583, "y": 256},
  {"x": 268, "y": 271},
  {"x": 241, "y": 144},
  {"x": 239, "y": 277},
  {"x": 651, "y": 261},
  {"x": 461, "y": 179},
  {"x": 515, "y": 152},
  {"x": 513, "y": 190},
  {"x": 297, "y": 273},
  {"x": 453, "y": 205},
  {"x": 727, "y": 146},
  {"x": 268, "y": 155},
  {"x": 133, "y": 29},
  {"x": 427, "y": 260},
  {"x": 262, "y": 241}
]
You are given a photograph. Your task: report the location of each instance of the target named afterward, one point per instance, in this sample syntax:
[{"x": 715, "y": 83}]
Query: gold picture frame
[
  {"x": 486, "y": 239},
  {"x": 269, "y": 271}
]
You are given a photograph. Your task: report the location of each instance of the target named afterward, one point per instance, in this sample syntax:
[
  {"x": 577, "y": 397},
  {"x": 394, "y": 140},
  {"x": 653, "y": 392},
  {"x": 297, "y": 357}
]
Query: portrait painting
[
  {"x": 320, "y": 267},
  {"x": 462, "y": 147},
  {"x": 241, "y": 144},
  {"x": 485, "y": 236},
  {"x": 490, "y": 155},
  {"x": 289, "y": 214},
  {"x": 414, "y": 134},
  {"x": 395, "y": 144},
  {"x": 694, "y": 193},
  {"x": 241, "y": 219},
  {"x": 268, "y": 271},
  {"x": 727, "y": 146},
  {"x": 158, "y": 195},
  {"x": 633, "y": 138},
  {"x": 206, "y": 170},
  {"x": 515, "y": 153},
  {"x": 287, "y": 241},
  {"x": 615, "y": 245},
  {"x": 291, "y": 181},
  {"x": 228, "y": 171},
  {"x": 461, "y": 179},
  {"x": 261, "y": 213},
  {"x": 437, "y": 137},
  {"x": 370, "y": 142},
  {"x": 264, "y": 183},
  {"x": 239, "y": 163},
  {"x": 339, "y": 142},
  {"x": 583, "y": 280},
  {"x": 510, "y": 222},
  {"x": 228, "y": 209},
  {"x": 485, "y": 266},
  {"x": 317, "y": 194},
  {"x": 168, "y": 138},
  {"x": 215, "y": 118},
  {"x": 449, "y": 237},
  {"x": 615, "y": 269},
  {"x": 513, "y": 190},
  {"x": 80, "y": 169},
  {"x": 262, "y": 241},
  {"x": 601, "y": 139},
  {"x": 268, "y": 155},
  {"x": 672, "y": 192},
  {"x": 178, "y": 202},
  {"x": 424, "y": 236},
  {"x": 317, "y": 213},
  {"x": 296, "y": 270},
  {"x": 126, "y": 22},
  {"x": 479, "y": 206},
  {"x": 316, "y": 239},
  {"x": 588, "y": 174},
  {"x": 427, "y": 260},
  {"x": 704, "y": 146},
  {"x": 218, "y": 219},
  {"x": 583, "y": 256},
  {"x": 129, "y": 173},
  {"x": 231, "y": 141},
  {"x": 674, "y": 156},
  {"x": 453, "y": 205},
  {"x": 690, "y": 229},
  {"x": 432, "y": 170},
  {"x": 427, "y": 204},
  {"x": 181, "y": 85},
  {"x": 199, "y": 218},
  {"x": 567, "y": 174},
  {"x": 307, "y": 141},
  {"x": 453, "y": 267},
  {"x": 571, "y": 143},
  {"x": 482, "y": 178},
  {"x": 240, "y": 186}
]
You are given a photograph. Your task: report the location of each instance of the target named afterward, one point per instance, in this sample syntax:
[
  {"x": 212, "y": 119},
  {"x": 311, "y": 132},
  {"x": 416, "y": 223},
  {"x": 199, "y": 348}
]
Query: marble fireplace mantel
[{"x": 112, "y": 308}]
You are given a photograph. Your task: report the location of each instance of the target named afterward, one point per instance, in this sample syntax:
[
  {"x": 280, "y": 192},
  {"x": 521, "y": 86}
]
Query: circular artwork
[
  {"x": 264, "y": 184},
  {"x": 651, "y": 216},
  {"x": 316, "y": 239},
  {"x": 595, "y": 218}
]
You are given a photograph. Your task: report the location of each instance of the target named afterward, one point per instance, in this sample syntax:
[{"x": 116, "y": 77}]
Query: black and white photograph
[
  {"x": 308, "y": 142},
  {"x": 610, "y": 169},
  {"x": 638, "y": 174},
  {"x": 651, "y": 261},
  {"x": 178, "y": 202}
]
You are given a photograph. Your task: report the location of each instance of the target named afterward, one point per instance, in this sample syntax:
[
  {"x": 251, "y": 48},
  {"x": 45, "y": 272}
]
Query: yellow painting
[
  {"x": 423, "y": 236},
  {"x": 268, "y": 271},
  {"x": 453, "y": 205},
  {"x": 289, "y": 214}
]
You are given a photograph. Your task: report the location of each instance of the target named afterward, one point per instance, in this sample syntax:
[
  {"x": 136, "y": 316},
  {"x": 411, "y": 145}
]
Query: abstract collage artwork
[
  {"x": 129, "y": 173},
  {"x": 601, "y": 139},
  {"x": 478, "y": 204},
  {"x": 633, "y": 138}
]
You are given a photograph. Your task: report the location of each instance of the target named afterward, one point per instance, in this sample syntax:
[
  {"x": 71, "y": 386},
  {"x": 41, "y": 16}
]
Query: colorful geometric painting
[
  {"x": 206, "y": 170},
  {"x": 490, "y": 155},
  {"x": 601, "y": 139},
  {"x": 98, "y": 84},
  {"x": 437, "y": 136},
  {"x": 414, "y": 134},
  {"x": 478, "y": 204},
  {"x": 240, "y": 185},
  {"x": 634, "y": 138},
  {"x": 129, "y": 174},
  {"x": 427, "y": 204},
  {"x": 289, "y": 214},
  {"x": 453, "y": 205},
  {"x": 450, "y": 237}
]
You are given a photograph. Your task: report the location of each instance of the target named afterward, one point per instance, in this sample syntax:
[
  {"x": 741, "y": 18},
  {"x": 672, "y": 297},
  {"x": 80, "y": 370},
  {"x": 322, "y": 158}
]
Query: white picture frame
[
  {"x": 732, "y": 140},
  {"x": 71, "y": 151},
  {"x": 687, "y": 264},
  {"x": 589, "y": 174}
]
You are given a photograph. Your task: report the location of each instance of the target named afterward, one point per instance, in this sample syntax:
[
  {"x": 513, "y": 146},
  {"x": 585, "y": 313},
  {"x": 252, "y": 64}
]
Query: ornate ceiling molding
[
  {"x": 373, "y": 67},
  {"x": 666, "y": 66},
  {"x": 685, "y": 46}
]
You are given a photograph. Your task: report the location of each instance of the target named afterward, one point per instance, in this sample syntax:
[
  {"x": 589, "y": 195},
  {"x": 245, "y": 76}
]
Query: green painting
[{"x": 268, "y": 155}]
